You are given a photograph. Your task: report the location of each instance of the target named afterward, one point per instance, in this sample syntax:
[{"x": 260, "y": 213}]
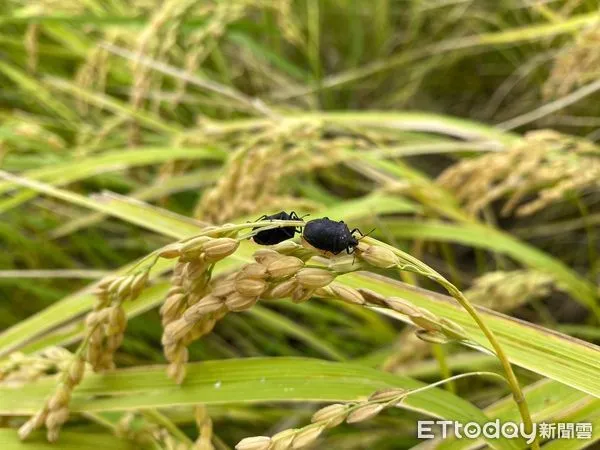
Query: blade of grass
[
  {"x": 69, "y": 440},
  {"x": 37, "y": 90},
  {"x": 270, "y": 318},
  {"x": 400, "y": 121},
  {"x": 113, "y": 105},
  {"x": 242, "y": 381},
  {"x": 188, "y": 181},
  {"x": 71, "y": 171}
]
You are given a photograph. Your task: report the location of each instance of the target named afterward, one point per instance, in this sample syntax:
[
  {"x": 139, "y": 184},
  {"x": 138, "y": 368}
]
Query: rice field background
[{"x": 140, "y": 143}]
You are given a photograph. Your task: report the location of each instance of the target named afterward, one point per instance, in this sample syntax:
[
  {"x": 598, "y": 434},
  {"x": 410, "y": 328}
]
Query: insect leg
[{"x": 357, "y": 230}]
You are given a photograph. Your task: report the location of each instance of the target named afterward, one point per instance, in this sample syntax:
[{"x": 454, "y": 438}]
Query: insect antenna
[{"x": 362, "y": 235}]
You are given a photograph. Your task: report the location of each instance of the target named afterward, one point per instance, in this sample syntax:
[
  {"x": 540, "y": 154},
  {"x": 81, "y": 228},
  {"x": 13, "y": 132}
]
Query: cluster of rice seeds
[
  {"x": 251, "y": 182},
  {"x": 545, "y": 163},
  {"x": 21, "y": 368},
  {"x": 106, "y": 323},
  {"x": 575, "y": 65},
  {"x": 253, "y": 174},
  {"x": 328, "y": 417},
  {"x": 199, "y": 43},
  {"x": 93, "y": 73},
  {"x": 189, "y": 292},
  {"x": 430, "y": 328},
  {"x": 251, "y": 177},
  {"x": 273, "y": 275},
  {"x": 288, "y": 24},
  {"x": 55, "y": 411},
  {"x": 205, "y": 429},
  {"x": 155, "y": 41},
  {"x": 505, "y": 291},
  {"x": 316, "y": 153}
]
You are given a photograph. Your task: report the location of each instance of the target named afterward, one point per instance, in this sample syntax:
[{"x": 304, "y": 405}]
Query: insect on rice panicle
[
  {"x": 276, "y": 235},
  {"x": 330, "y": 236}
]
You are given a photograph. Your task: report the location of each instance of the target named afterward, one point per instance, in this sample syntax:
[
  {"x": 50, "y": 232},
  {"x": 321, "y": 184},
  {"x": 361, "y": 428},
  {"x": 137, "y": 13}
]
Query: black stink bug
[
  {"x": 330, "y": 236},
  {"x": 276, "y": 235}
]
